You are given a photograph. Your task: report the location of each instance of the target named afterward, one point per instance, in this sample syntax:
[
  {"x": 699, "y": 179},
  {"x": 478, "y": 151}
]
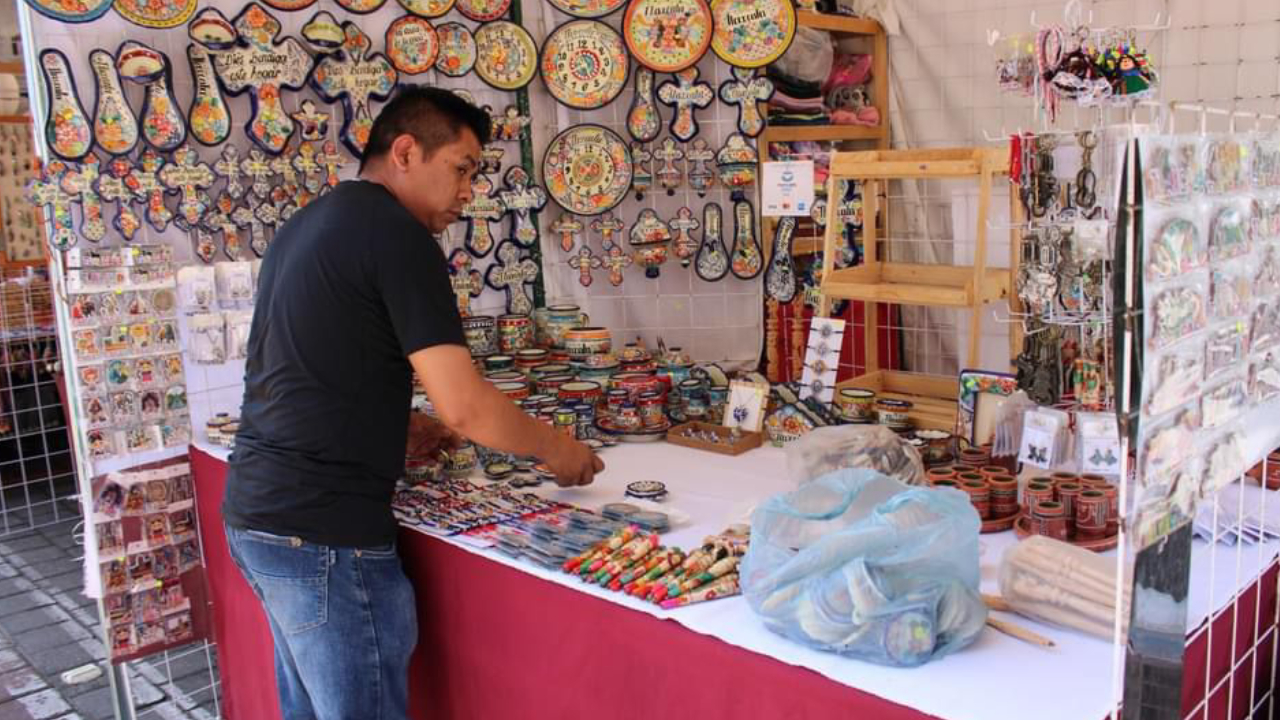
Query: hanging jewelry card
[
  {"x": 752, "y": 33},
  {"x": 822, "y": 356},
  {"x": 668, "y": 35},
  {"x": 355, "y": 77},
  {"x": 686, "y": 94},
  {"x": 412, "y": 45},
  {"x": 510, "y": 274},
  {"x": 644, "y": 122},
  {"x": 712, "y": 263},
  {"x": 587, "y": 169},
  {"x": 209, "y": 116},
  {"x": 115, "y": 129},
  {"x": 584, "y": 64},
  {"x": 506, "y": 56},
  {"x": 458, "y": 50},
  {"x": 67, "y": 131}
]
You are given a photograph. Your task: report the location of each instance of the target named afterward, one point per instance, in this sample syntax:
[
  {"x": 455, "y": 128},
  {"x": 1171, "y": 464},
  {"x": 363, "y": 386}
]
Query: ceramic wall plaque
[
  {"x": 752, "y": 33},
  {"x": 164, "y": 127},
  {"x": 115, "y": 129},
  {"x": 361, "y": 7},
  {"x": 747, "y": 90},
  {"x": 588, "y": 8},
  {"x": 712, "y": 262},
  {"x": 483, "y": 210},
  {"x": 71, "y": 11},
  {"x": 511, "y": 274},
  {"x": 209, "y": 116},
  {"x": 587, "y": 169},
  {"x": 780, "y": 278},
  {"x": 584, "y": 64},
  {"x": 356, "y": 77},
  {"x": 522, "y": 199},
  {"x": 746, "y": 260},
  {"x": 668, "y": 35},
  {"x": 736, "y": 162},
  {"x": 644, "y": 122},
  {"x": 457, "y": 49},
  {"x": 427, "y": 8},
  {"x": 506, "y": 56},
  {"x": 412, "y": 45},
  {"x": 66, "y": 130},
  {"x": 265, "y": 68},
  {"x": 483, "y": 10},
  {"x": 158, "y": 14},
  {"x": 212, "y": 29},
  {"x": 687, "y": 95}
]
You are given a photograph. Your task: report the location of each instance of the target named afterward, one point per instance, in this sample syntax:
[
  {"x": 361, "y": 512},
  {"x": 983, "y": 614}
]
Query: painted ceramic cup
[
  {"x": 580, "y": 391},
  {"x": 1048, "y": 519},
  {"x": 856, "y": 404},
  {"x": 587, "y": 341},
  {"x": 628, "y": 417},
  {"x": 1004, "y": 496},
  {"x": 1068, "y": 494},
  {"x": 893, "y": 413},
  {"x": 499, "y": 363},
  {"x": 514, "y": 389},
  {"x": 481, "y": 333},
  {"x": 515, "y": 333},
  {"x": 1091, "y": 514},
  {"x": 561, "y": 319},
  {"x": 937, "y": 446},
  {"x": 1036, "y": 492},
  {"x": 936, "y": 474},
  {"x": 650, "y": 406},
  {"x": 980, "y": 495},
  {"x": 976, "y": 457}
]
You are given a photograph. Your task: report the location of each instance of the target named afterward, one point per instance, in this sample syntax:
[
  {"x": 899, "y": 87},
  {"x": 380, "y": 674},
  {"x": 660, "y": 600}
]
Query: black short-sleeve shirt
[{"x": 350, "y": 287}]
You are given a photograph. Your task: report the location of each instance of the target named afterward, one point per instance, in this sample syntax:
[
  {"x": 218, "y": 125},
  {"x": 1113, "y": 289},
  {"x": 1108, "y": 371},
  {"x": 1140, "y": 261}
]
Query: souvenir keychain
[
  {"x": 587, "y": 169},
  {"x": 190, "y": 178},
  {"x": 164, "y": 127},
  {"x": 116, "y": 185},
  {"x": 698, "y": 158},
  {"x": 736, "y": 163},
  {"x": 483, "y": 209},
  {"x": 747, "y": 90},
  {"x": 47, "y": 192},
  {"x": 686, "y": 94},
  {"x": 247, "y": 67},
  {"x": 211, "y": 29},
  {"x": 669, "y": 175},
  {"x": 650, "y": 237},
  {"x": 682, "y": 242},
  {"x": 667, "y": 35},
  {"x": 457, "y": 55},
  {"x": 209, "y": 116},
  {"x": 115, "y": 129},
  {"x": 80, "y": 182},
  {"x": 780, "y": 279},
  {"x": 412, "y": 45},
  {"x": 146, "y": 176},
  {"x": 616, "y": 260},
  {"x": 356, "y": 77},
  {"x": 257, "y": 168},
  {"x": 228, "y": 168},
  {"x": 567, "y": 227},
  {"x": 644, "y": 122},
  {"x": 752, "y": 33},
  {"x": 506, "y": 56},
  {"x": 465, "y": 279},
  {"x": 511, "y": 274},
  {"x": 712, "y": 263},
  {"x": 584, "y": 262},
  {"x": 584, "y": 64},
  {"x": 642, "y": 176},
  {"x": 746, "y": 260},
  {"x": 522, "y": 200},
  {"x": 66, "y": 130}
]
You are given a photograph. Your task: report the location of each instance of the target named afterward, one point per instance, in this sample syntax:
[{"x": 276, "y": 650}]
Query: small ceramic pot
[
  {"x": 628, "y": 417},
  {"x": 980, "y": 495},
  {"x": 559, "y": 320},
  {"x": 937, "y": 446},
  {"x": 586, "y": 341},
  {"x": 514, "y": 389},
  {"x": 976, "y": 457},
  {"x": 1004, "y": 496},
  {"x": 947, "y": 482},
  {"x": 691, "y": 389},
  {"x": 990, "y": 471},
  {"x": 613, "y": 400},
  {"x": 461, "y": 461},
  {"x": 1047, "y": 519},
  {"x": 936, "y": 474},
  {"x": 696, "y": 408},
  {"x": 1068, "y": 494},
  {"x": 499, "y": 363},
  {"x": 633, "y": 353},
  {"x": 515, "y": 333},
  {"x": 1091, "y": 514},
  {"x": 856, "y": 405},
  {"x": 530, "y": 358},
  {"x": 551, "y": 384},
  {"x": 1064, "y": 477},
  {"x": 481, "y": 333},
  {"x": 1036, "y": 492},
  {"x": 650, "y": 406},
  {"x": 893, "y": 413},
  {"x": 580, "y": 392}
]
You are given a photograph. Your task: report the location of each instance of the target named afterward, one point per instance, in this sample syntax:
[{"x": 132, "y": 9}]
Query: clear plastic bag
[
  {"x": 810, "y": 56},
  {"x": 875, "y": 447},
  {"x": 862, "y": 565}
]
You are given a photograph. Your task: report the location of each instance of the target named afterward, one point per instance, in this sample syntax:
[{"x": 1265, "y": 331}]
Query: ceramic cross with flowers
[
  {"x": 482, "y": 210},
  {"x": 466, "y": 280},
  {"x": 146, "y": 174},
  {"x": 522, "y": 199},
  {"x": 80, "y": 181},
  {"x": 265, "y": 68},
  {"x": 113, "y": 187},
  {"x": 355, "y": 77},
  {"x": 189, "y": 177},
  {"x": 48, "y": 192}
]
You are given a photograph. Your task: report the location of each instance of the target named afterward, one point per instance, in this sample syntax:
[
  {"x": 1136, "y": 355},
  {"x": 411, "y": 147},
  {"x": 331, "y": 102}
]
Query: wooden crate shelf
[
  {"x": 933, "y": 398},
  {"x": 799, "y": 133},
  {"x": 838, "y": 23},
  {"x": 908, "y": 284}
]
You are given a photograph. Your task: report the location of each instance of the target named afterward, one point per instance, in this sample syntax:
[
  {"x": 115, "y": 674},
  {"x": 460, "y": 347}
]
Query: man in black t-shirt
[{"x": 354, "y": 297}]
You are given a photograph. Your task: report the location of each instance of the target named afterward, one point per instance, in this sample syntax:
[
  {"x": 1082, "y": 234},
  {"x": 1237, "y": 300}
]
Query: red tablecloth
[{"x": 498, "y": 643}]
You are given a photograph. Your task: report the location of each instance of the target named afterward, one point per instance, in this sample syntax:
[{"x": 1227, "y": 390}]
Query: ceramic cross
[
  {"x": 267, "y": 215},
  {"x": 146, "y": 174},
  {"x": 245, "y": 219},
  {"x": 67, "y": 131},
  {"x": 258, "y": 168},
  {"x": 206, "y": 248},
  {"x": 616, "y": 260},
  {"x": 682, "y": 242},
  {"x": 209, "y": 117},
  {"x": 608, "y": 226},
  {"x": 584, "y": 262},
  {"x": 79, "y": 182},
  {"x": 780, "y": 278},
  {"x": 282, "y": 165},
  {"x": 356, "y": 77},
  {"x": 483, "y": 209},
  {"x": 47, "y": 192},
  {"x": 746, "y": 260},
  {"x": 712, "y": 263},
  {"x": 284, "y": 199},
  {"x": 115, "y": 129},
  {"x": 115, "y": 185},
  {"x": 264, "y": 68},
  {"x": 644, "y": 122},
  {"x": 698, "y": 159},
  {"x": 305, "y": 163},
  {"x": 218, "y": 219},
  {"x": 669, "y": 174},
  {"x": 313, "y": 125},
  {"x": 687, "y": 95},
  {"x": 228, "y": 168},
  {"x": 189, "y": 177},
  {"x": 466, "y": 280},
  {"x": 747, "y": 90},
  {"x": 510, "y": 274},
  {"x": 491, "y": 159},
  {"x": 567, "y": 226},
  {"x": 642, "y": 174},
  {"x": 510, "y": 125},
  {"x": 522, "y": 200},
  {"x": 332, "y": 162}
]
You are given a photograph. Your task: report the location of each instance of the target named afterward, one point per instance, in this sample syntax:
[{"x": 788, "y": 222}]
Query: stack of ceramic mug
[{"x": 856, "y": 405}]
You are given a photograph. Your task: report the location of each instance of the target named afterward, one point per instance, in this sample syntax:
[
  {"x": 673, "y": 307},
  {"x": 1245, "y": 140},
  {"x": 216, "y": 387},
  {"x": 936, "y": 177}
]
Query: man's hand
[
  {"x": 428, "y": 436},
  {"x": 573, "y": 463}
]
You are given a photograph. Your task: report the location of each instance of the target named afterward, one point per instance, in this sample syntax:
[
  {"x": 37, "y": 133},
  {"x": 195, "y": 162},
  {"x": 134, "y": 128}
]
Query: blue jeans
[{"x": 343, "y": 621}]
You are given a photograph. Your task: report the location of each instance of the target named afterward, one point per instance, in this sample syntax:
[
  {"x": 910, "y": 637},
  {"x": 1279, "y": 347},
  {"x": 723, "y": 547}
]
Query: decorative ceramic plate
[
  {"x": 584, "y": 64},
  {"x": 427, "y": 8},
  {"x": 361, "y": 7},
  {"x": 588, "y": 8},
  {"x": 156, "y": 13},
  {"x": 412, "y": 45},
  {"x": 587, "y": 169},
  {"x": 638, "y": 435},
  {"x": 506, "y": 56},
  {"x": 70, "y": 11},
  {"x": 457, "y": 49},
  {"x": 668, "y": 35},
  {"x": 483, "y": 10},
  {"x": 290, "y": 5},
  {"x": 752, "y": 33}
]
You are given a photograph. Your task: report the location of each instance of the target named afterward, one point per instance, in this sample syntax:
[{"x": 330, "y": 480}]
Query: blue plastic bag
[{"x": 860, "y": 564}]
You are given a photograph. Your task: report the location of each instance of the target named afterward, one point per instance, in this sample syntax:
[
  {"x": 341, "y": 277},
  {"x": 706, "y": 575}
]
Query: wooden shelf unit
[
  {"x": 831, "y": 133},
  {"x": 933, "y": 398}
]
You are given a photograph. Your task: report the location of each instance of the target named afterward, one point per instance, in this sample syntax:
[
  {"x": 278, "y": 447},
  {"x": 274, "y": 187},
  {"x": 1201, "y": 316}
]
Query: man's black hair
[{"x": 434, "y": 116}]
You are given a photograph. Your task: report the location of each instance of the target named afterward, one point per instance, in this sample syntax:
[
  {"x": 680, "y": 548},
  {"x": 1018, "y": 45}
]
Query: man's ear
[{"x": 402, "y": 151}]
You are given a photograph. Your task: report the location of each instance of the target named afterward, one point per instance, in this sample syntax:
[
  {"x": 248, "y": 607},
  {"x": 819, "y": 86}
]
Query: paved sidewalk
[{"x": 47, "y": 627}]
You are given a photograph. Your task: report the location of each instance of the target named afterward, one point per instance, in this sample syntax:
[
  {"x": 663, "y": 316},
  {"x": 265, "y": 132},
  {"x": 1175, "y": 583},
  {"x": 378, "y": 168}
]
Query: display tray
[
  {"x": 1023, "y": 528},
  {"x": 995, "y": 525},
  {"x": 635, "y": 436},
  {"x": 747, "y": 441}
]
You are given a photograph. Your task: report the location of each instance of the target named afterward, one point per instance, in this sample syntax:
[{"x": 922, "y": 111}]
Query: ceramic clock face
[
  {"x": 483, "y": 10},
  {"x": 587, "y": 169},
  {"x": 584, "y": 64},
  {"x": 752, "y": 33},
  {"x": 506, "y": 56},
  {"x": 588, "y": 8},
  {"x": 668, "y": 35}
]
